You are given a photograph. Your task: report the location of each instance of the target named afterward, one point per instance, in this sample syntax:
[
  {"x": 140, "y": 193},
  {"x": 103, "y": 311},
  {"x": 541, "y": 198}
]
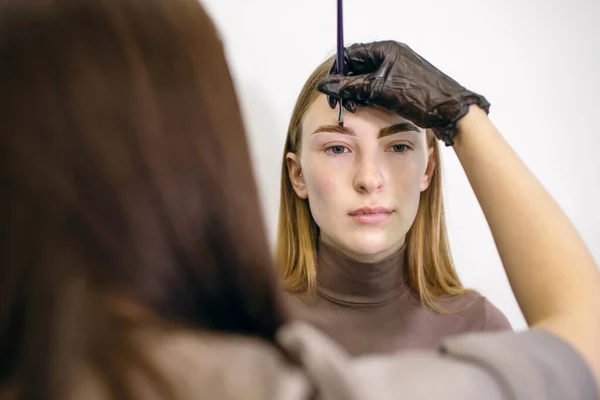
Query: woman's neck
[{"x": 345, "y": 280}]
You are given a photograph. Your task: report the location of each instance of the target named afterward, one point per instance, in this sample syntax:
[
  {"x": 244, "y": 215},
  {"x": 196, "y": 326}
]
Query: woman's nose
[{"x": 369, "y": 176}]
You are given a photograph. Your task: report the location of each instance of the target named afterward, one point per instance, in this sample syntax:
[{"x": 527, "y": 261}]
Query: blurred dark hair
[{"x": 124, "y": 174}]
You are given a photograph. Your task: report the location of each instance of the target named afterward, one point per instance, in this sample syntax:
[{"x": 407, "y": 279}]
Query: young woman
[
  {"x": 362, "y": 242},
  {"x": 129, "y": 270}
]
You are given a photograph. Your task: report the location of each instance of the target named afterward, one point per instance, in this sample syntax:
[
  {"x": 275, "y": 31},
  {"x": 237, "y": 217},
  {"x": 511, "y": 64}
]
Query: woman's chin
[{"x": 371, "y": 249}]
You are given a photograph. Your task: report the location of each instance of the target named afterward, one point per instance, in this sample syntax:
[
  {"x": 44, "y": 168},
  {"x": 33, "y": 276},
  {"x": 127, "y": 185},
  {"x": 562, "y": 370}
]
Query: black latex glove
[{"x": 391, "y": 75}]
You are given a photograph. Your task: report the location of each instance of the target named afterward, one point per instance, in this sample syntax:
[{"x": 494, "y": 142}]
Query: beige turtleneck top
[{"x": 369, "y": 308}]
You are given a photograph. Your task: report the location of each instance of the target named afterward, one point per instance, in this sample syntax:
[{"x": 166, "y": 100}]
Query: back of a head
[{"x": 124, "y": 174}]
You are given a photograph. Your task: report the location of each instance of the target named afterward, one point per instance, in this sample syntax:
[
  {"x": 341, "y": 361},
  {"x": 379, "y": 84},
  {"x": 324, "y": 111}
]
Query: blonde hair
[{"x": 431, "y": 272}]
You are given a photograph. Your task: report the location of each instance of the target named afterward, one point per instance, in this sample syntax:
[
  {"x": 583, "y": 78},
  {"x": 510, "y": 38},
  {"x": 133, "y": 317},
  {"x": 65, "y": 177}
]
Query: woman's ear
[
  {"x": 429, "y": 170},
  {"x": 295, "y": 175}
]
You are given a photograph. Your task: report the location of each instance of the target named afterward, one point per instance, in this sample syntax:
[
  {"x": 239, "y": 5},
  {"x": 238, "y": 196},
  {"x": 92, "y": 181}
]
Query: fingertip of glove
[
  {"x": 350, "y": 105},
  {"x": 332, "y": 101}
]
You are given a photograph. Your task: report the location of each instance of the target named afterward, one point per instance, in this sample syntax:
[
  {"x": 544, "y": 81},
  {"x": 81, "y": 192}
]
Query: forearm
[{"x": 551, "y": 271}]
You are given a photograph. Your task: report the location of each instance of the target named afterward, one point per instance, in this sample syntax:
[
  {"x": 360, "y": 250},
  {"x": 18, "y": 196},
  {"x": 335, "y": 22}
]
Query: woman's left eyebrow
[{"x": 398, "y": 128}]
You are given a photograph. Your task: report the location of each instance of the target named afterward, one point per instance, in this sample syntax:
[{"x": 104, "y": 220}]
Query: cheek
[
  {"x": 323, "y": 177},
  {"x": 407, "y": 172},
  {"x": 410, "y": 179},
  {"x": 322, "y": 201},
  {"x": 406, "y": 177},
  {"x": 324, "y": 189},
  {"x": 321, "y": 187}
]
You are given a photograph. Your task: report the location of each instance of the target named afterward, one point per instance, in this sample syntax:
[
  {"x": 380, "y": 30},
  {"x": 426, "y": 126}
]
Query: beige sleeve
[
  {"x": 491, "y": 366},
  {"x": 529, "y": 365},
  {"x": 499, "y": 366}
]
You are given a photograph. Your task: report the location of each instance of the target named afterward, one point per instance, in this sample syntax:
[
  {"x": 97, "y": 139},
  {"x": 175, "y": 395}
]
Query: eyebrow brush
[{"x": 340, "y": 56}]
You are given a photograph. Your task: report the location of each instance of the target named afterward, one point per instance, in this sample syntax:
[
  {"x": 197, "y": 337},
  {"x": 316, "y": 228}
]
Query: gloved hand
[{"x": 391, "y": 75}]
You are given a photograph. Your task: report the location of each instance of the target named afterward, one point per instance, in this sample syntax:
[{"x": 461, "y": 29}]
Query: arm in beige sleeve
[
  {"x": 550, "y": 269},
  {"x": 491, "y": 366}
]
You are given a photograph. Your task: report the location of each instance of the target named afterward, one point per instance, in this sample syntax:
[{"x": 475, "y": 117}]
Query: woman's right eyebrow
[{"x": 334, "y": 129}]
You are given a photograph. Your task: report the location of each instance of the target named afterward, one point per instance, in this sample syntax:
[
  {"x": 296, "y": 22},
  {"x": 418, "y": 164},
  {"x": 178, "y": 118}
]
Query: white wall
[{"x": 536, "y": 61}]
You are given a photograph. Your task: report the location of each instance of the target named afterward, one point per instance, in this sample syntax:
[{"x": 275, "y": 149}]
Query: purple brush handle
[{"x": 340, "y": 39}]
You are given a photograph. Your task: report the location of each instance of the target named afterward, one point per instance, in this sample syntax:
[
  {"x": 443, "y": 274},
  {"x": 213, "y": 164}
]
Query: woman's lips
[{"x": 370, "y": 215}]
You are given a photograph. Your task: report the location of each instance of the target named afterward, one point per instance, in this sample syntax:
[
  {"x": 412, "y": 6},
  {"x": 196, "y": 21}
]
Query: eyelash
[
  {"x": 329, "y": 150},
  {"x": 404, "y": 146}
]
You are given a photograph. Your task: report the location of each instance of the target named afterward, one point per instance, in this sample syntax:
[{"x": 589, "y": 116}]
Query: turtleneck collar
[{"x": 345, "y": 281}]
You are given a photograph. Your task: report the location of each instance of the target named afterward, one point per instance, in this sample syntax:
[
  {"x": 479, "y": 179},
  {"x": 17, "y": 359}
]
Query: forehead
[{"x": 319, "y": 113}]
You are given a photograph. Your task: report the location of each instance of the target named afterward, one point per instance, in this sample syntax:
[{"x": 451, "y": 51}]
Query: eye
[
  {"x": 399, "y": 148},
  {"x": 336, "y": 149}
]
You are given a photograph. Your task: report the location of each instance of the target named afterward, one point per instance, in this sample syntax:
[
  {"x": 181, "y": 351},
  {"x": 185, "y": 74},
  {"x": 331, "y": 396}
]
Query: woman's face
[{"x": 362, "y": 181}]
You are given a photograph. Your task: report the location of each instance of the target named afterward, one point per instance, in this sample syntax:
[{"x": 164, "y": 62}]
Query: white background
[{"x": 537, "y": 62}]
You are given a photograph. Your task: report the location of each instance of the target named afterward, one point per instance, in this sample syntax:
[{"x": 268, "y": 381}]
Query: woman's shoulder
[
  {"x": 222, "y": 366},
  {"x": 475, "y": 307},
  {"x": 210, "y": 365}
]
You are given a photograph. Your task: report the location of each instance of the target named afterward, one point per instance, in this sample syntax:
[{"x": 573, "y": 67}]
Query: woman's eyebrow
[
  {"x": 398, "y": 128},
  {"x": 383, "y": 132},
  {"x": 334, "y": 129}
]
